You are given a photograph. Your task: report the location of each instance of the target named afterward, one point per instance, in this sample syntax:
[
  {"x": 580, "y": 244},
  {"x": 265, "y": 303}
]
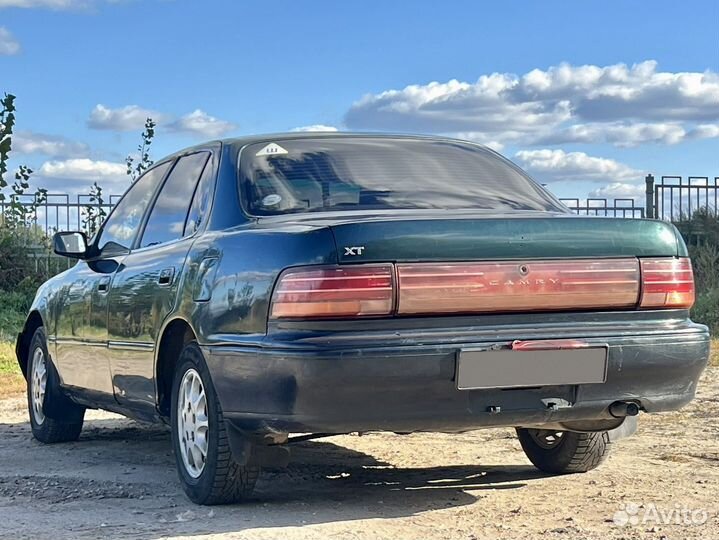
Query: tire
[
  {"x": 214, "y": 478},
  {"x": 564, "y": 452},
  {"x": 53, "y": 417}
]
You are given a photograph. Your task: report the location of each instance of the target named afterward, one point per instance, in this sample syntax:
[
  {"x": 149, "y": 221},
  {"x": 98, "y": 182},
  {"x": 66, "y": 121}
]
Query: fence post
[{"x": 650, "y": 196}]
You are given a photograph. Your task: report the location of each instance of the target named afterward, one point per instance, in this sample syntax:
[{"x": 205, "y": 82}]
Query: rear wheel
[
  {"x": 207, "y": 471},
  {"x": 561, "y": 452},
  {"x": 53, "y": 417}
]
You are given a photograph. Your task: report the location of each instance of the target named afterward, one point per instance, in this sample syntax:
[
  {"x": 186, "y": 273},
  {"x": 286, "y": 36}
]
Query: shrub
[
  {"x": 19, "y": 279},
  {"x": 14, "y": 306},
  {"x": 706, "y": 309},
  {"x": 16, "y": 263},
  {"x": 705, "y": 260}
]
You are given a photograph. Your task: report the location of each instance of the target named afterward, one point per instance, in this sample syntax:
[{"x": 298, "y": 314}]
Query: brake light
[
  {"x": 667, "y": 283},
  {"x": 548, "y": 344},
  {"x": 348, "y": 291}
]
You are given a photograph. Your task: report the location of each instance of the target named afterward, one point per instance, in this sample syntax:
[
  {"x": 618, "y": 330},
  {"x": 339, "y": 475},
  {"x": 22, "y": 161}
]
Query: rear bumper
[{"x": 338, "y": 385}]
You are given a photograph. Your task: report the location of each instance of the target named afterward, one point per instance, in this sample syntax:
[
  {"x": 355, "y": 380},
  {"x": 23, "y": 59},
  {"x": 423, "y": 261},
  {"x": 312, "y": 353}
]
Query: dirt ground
[{"x": 119, "y": 481}]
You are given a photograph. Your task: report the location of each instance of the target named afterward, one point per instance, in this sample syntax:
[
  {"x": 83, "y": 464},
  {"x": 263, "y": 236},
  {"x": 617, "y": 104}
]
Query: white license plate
[{"x": 507, "y": 368}]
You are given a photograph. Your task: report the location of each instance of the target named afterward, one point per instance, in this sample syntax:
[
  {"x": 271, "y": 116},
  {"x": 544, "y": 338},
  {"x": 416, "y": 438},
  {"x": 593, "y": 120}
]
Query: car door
[
  {"x": 145, "y": 286},
  {"x": 81, "y": 331},
  {"x": 81, "y": 328}
]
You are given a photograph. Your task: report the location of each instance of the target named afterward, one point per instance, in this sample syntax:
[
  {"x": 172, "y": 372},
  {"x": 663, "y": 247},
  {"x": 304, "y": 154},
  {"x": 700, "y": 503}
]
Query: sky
[{"x": 588, "y": 96}]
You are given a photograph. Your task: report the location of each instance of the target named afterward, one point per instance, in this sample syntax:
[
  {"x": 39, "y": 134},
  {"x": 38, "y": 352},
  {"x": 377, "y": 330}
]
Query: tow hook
[{"x": 620, "y": 409}]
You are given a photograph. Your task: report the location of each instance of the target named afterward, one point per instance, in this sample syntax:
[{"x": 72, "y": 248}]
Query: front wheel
[
  {"x": 207, "y": 471},
  {"x": 53, "y": 417},
  {"x": 562, "y": 452}
]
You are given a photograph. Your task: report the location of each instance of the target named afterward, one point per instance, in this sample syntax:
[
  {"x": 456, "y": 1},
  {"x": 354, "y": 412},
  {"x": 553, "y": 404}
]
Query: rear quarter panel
[{"x": 248, "y": 262}]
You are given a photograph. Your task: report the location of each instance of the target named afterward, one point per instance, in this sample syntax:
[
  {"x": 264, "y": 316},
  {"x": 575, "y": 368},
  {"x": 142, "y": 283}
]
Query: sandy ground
[{"x": 119, "y": 481}]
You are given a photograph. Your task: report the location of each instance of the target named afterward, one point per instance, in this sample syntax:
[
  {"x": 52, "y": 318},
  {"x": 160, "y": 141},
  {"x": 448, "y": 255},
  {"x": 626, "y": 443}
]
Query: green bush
[
  {"x": 705, "y": 261},
  {"x": 14, "y": 306},
  {"x": 706, "y": 309},
  {"x": 19, "y": 280},
  {"x": 16, "y": 264}
]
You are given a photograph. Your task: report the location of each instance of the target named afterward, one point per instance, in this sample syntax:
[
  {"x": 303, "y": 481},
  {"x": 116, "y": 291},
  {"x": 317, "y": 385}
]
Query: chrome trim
[{"x": 142, "y": 346}]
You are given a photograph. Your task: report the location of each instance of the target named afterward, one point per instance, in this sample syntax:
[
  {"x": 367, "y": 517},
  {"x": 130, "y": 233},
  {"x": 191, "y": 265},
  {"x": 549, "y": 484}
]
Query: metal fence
[
  {"x": 678, "y": 199},
  {"x": 671, "y": 198},
  {"x": 59, "y": 211},
  {"x": 55, "y": 212},
  {"x": 625, "y": 208}
]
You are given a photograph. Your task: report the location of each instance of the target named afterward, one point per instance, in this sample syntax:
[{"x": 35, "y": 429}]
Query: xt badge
[{"x": 355, "y": 250}]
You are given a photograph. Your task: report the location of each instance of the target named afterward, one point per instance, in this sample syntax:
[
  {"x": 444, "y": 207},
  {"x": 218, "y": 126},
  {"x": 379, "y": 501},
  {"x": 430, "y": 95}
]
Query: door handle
[
  {"x": 166, "y": 276},
  {"x": 103, "y": 285}
]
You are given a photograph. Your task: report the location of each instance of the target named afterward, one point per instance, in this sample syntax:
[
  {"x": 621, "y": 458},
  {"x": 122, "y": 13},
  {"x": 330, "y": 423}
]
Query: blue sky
[{"x": 587, "y": 96}]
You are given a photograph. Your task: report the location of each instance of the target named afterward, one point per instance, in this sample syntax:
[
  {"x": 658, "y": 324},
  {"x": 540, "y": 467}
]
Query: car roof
[{"x": 239, "y": 142}]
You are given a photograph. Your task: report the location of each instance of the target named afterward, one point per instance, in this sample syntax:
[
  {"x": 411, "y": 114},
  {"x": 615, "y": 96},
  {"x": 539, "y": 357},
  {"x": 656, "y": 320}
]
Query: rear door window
[
  {"x": 201, "y": 200},
  {"x": 169, "y": 214}
]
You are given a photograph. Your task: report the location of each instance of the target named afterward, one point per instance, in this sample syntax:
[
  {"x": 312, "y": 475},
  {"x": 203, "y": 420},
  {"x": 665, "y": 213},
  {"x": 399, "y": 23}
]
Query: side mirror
[{"x": 70, "y": 244}]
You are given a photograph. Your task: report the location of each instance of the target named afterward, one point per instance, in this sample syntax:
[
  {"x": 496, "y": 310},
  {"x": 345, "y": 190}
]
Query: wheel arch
[
  {"x": 22, "y": 347},
  {"x": 175, "y": 335}
]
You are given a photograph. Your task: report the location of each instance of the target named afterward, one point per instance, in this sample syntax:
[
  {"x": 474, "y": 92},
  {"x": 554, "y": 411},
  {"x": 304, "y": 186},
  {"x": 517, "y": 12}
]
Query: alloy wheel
[
  {"x": 38, "y": 384},
  {"x": 546, "y": 438},
  {"x": 192, "y": 423}
]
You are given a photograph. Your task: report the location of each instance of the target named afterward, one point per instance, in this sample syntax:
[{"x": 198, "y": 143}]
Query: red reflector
[
  {"x": 518, "y": 286},
  {"x": 334, "y": 292},
  {"x": 667, "y": 283},
  {"x": 549, "y": 344}
]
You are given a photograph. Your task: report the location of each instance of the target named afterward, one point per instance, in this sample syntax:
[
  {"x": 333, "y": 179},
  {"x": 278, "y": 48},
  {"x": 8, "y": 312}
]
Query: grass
[
  {"x": 13, "y": 309},
  {"x": 11, "y": 380}
]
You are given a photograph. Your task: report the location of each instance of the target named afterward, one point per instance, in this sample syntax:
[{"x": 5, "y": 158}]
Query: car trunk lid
[
  {"x": 473, "y": 264},
  {"x": 472, "y": 238},
  {"x": 502, "y": 264}
]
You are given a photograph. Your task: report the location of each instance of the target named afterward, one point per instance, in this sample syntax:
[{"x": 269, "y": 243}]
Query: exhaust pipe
[{"x": 620, "y": 409}]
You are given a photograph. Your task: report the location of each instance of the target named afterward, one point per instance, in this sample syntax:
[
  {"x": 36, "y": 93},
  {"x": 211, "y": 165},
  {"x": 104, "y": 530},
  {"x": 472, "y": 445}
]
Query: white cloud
[
  {"x": 558, "y": 165},
  {"x": 128, "y": 118},
  {"x": 201, "y": 123},
  {"x": 620, "y": 190},
  {"x": 482, "y": 107},
  {"x": 8, "y": 44},
  {"x": 133, "y": 117},
  {"x": 83, "y": 169},
  {"x": 622, "y": 134},
  {"x": 625, "y": 134},
  {"x": 49, "y": 4},
  {"x": 704, "y": 131},
  {"x": 620, "y": 104},
  {"x": 315, "y": 127},
  {"x": 77, "y": 175},
  {"x": 26, "y": 142}
]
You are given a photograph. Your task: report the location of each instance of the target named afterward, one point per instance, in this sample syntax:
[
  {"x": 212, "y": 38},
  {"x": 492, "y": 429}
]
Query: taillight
[
  {"x": 483, "y": 287},
  {"x": 348, "y": 291},
  {"x": 517, "y": 286},
  {"x": 667, "y": 283}
]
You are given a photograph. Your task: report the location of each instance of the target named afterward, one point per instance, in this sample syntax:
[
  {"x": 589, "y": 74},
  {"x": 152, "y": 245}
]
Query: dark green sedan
[{"x": 254, "y": 292}]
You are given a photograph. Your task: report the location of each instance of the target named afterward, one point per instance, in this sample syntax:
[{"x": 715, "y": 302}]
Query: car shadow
[{"x": 324, "y": 482}]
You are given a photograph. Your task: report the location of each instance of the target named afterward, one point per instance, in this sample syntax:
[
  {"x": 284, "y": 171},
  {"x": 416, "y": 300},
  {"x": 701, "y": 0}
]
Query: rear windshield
[{"x": 331, "y": 174}]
